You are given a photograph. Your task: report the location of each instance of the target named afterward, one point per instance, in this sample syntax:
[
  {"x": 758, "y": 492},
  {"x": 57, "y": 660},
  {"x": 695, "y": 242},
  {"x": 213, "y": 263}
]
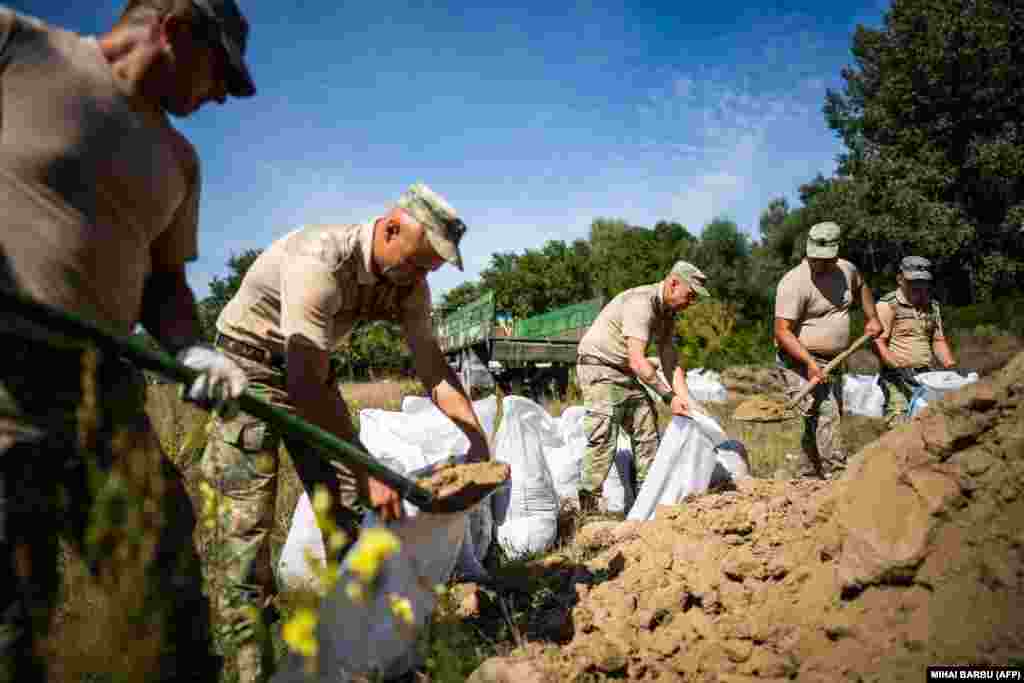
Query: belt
[{"x": 249, "y": 351}]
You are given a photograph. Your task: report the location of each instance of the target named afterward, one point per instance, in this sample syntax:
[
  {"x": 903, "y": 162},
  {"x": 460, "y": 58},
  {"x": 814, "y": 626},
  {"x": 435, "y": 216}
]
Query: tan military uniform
[
  {"x": 820, "y": 309},
  {"x": 910, "y": 338},
  {"x": 94, "y": 197},
  {"x": 612, "y": 396},
  {"x": 313, "y": 285}
]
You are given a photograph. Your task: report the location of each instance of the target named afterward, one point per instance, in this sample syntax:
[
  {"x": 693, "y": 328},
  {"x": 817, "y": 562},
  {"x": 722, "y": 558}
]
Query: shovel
[
  {"x": 447, "y": 488},
  {"x": 763, "y": 409}
]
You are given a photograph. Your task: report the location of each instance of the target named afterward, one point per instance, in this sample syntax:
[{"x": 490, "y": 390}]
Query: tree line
[{"x": 931, "y": 116}]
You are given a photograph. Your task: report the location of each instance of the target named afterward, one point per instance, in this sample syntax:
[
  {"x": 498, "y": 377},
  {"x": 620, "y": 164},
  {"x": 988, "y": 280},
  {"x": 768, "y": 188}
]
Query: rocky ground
[{"x": 915, "y": 557}]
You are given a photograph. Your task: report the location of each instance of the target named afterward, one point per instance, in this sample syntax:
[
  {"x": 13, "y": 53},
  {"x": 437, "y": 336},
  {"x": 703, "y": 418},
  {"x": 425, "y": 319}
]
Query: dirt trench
[{"x": 915, "y": 557}]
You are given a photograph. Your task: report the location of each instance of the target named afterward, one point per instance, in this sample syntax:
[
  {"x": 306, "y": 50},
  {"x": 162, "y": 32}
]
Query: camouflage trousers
[
  {"x": 241, "y": 463},
  {"x": 824, "y": 455},
  {"x": 897, "y": 387},
  {"x": 614, "y": 400},
  {"x": 98, "y": 479}
]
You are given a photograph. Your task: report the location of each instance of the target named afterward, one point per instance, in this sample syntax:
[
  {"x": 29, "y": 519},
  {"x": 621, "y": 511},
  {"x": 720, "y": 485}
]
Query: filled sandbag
[
  {"x": 934, "y": 385},
  {"x": 706, "y": 386},
  {"x": 374, "y": 634},
  {"x": 526, "y": 509},
  {"x": 862, "y": 395},
  {"x": 684, "y": 464}
]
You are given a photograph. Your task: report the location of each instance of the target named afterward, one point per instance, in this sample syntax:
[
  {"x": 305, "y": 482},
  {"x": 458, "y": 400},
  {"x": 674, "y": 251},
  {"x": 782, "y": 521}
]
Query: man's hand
[
  {"x": 814, "y": 373},
  {"x": 384, "y": 500},
  {"x": 680, "y": 405},
  {"x": 220, "y": 381},
  {"x": 873, "y": 326}
]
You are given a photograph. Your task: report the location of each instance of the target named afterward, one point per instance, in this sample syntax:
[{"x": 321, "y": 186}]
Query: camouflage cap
[
  {"x": 916, "y": 268},
  {"x": 692, "y": 275},
  {"x": 823, "y": 240},
  {"x": 443, "y": 227}
]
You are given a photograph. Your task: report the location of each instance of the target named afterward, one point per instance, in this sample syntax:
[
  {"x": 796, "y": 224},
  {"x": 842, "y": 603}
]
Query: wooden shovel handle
[{"x": 827, "y": 369}]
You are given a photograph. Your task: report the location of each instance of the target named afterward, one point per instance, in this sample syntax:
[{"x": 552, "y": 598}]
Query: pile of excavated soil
[
  {"x": 915, "y": 557},
  {"x": 746, "y": 380}
]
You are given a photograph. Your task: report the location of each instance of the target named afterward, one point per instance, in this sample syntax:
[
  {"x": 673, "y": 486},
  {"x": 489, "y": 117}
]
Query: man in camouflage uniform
[
  {"x": 613, "y": 361},
  {"x": 812, "y": 326},
  {"x": 297, "y": 304},
  {"x": 99, "y": 194},
  {"x": 911, "y": 331}
]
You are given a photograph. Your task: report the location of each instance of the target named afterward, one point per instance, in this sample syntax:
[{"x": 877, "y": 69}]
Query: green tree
[{"x": 931, "y": 118}]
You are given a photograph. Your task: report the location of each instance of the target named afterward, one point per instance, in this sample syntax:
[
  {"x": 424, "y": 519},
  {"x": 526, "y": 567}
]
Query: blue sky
[{"x": 532, "y": 118}]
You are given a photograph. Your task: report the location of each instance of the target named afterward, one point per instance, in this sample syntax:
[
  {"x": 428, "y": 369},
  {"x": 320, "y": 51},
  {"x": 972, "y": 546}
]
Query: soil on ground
[{"x": 914, "y": 557}]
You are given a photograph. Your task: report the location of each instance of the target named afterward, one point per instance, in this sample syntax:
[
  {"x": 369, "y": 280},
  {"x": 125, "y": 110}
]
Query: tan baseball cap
[
  {"x": 444, "y": 228},
  {"x": 823, "y": 240},
  {"x": 692, "y": 275}
]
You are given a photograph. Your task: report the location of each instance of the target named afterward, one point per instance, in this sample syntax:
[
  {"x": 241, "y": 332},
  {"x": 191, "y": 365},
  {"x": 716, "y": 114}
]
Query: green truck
[{"x": 530, "y": 356}]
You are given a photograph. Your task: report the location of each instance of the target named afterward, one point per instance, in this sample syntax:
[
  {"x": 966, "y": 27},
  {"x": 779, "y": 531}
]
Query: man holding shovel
[
  {"x": 99, "y": 195},
  {"x": 297, "y": 304},
  {"x": 612, "y": 358},
  {"x": 812, "y": 326},
  {"x": 912, "y": 332}
]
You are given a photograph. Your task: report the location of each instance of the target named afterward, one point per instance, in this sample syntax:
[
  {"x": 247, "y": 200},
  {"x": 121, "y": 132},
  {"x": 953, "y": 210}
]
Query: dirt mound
[
  {"x": 916, "y": 557},
  {"x": 747, "y": 380}
]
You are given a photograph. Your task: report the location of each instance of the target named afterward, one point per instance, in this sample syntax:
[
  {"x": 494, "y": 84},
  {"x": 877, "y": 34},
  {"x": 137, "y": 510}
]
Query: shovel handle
[
  {"x": 826, "y": 370},
  {"x": 326, "y": 444}
]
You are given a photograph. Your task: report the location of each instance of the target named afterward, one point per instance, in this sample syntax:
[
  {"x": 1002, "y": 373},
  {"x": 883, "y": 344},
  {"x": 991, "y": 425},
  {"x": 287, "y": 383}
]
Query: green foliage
[
  {"x": 931, "y": 118},
  {"x": 710, "y": 337},
  {"x": 987, "y": 318}
]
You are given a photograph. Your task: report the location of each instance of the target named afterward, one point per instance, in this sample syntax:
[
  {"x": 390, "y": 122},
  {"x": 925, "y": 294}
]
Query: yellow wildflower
[
  {"x": 321, "y": 500},
  {"x": 355, "y": 592},
  {"x": 337, "y": 540},
  {"x": 375, "y": 545},
  {"x": 401, "y": 608},
  {"x": 300, "y": 632}
]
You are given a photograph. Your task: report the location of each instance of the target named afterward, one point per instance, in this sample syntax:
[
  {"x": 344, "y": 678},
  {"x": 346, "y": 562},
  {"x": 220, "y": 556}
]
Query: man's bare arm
[
  {"x": 321, "y": 403},
  {"x": 872, "y": 325},
  {"x": 169, "y": 309},
  {"x": 791, "y": 345},
  {"x": 643, "y": 368},
  {"x": 446, "y": 390},
  {"x": 886, "y": 315}
]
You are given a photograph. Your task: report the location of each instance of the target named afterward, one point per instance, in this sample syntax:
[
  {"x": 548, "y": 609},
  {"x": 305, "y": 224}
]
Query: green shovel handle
[{"x": 326, "y": 444}]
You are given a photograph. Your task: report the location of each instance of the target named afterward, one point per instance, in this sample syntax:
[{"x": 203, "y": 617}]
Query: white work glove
[{"x": 220, "y": 381}]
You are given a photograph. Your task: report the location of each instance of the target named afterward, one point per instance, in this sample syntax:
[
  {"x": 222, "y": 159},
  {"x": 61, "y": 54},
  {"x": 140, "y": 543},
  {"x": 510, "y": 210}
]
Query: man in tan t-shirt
[
  {"x": 612, "y": 358},
  {"x": 99, "y": 196},
  {"x": 297, "y": 304},
  {"x": 912, "y": 331},
  {"x": 812, "y": 326}
]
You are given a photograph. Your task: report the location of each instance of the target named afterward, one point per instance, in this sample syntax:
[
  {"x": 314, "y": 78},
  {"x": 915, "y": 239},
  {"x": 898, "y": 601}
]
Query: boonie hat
[
  {"x": 233, "y": 33},
  {"x": 444, "y": 229},
  {"x": 823, "y": 240}
]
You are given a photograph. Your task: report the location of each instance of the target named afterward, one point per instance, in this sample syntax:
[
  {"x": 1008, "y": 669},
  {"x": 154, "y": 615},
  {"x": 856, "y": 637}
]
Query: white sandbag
[
  {"x": 706, "y": 386},
  {"x": 525, "y": 509},
  {"x": 617, "y": 490},
  {"x": 565, "y": 462},
  {"x": 862, "y": 395},
  {"x": 934, "y": 385},
  {"x": 358, "y": 639},
  {"x": 486, "y": 410},
  {"x": 293, "y": 570},
  {"x": 684, "y": 464}
]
